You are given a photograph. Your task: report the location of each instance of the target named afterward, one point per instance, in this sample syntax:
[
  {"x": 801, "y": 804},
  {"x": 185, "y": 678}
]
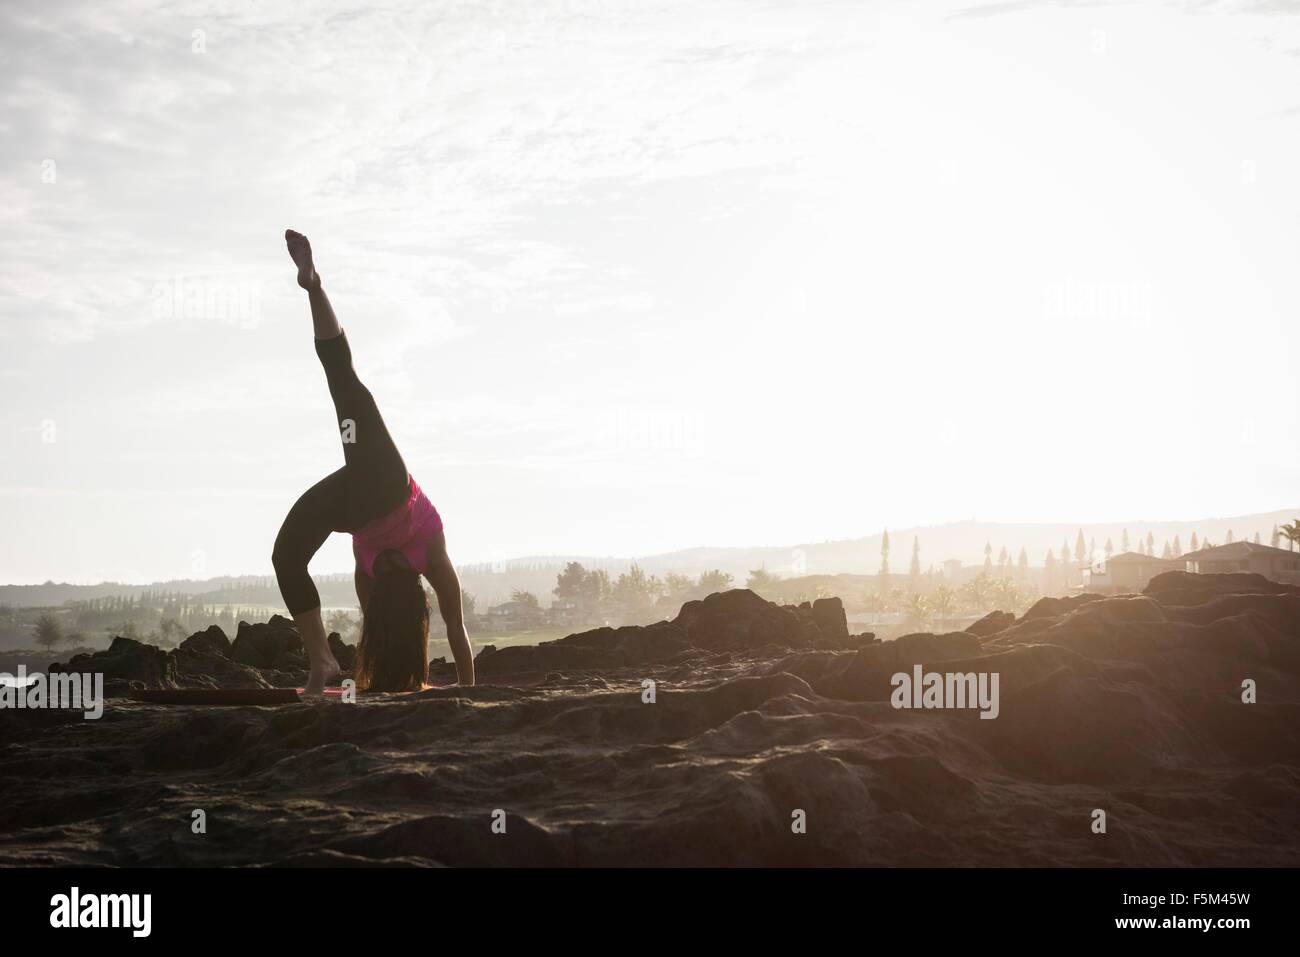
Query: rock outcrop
[
  {"x": 734, "y": 621},
  {"x": 1188, "y": 588},
  {"x": 264, "y": 655},
  {"x": 992, "y": 623},
  {"x": 274, "y": 644},
  {"x": 125, "y": 665},
  {"x": 212, "y": 641},
  {"x": 1131, "y": 703}
]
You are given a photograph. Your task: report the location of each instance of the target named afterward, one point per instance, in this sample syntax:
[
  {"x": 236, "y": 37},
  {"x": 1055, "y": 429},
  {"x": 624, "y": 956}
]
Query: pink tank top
[{"x": 408, "y": 529}]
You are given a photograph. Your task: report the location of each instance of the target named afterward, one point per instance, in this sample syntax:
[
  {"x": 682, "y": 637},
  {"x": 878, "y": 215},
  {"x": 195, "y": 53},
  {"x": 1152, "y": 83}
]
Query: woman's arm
[
  {"x": 446, "y": 585},
  {"x": 362, "y": 581}
]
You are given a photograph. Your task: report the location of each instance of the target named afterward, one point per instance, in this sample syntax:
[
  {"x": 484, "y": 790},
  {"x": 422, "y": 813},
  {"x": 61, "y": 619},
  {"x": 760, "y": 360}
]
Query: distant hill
[
  {"x": 963, "y": 541},
  {"x": 493, "y": 583}
]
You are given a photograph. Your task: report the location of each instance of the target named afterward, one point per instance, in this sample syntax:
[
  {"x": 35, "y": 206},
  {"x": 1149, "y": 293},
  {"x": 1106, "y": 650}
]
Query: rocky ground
[{"x": 1131, "y": 705}]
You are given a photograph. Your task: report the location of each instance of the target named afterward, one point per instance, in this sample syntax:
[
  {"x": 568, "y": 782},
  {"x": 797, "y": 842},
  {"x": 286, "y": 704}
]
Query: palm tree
[
  {"x": 1291, "y": 532},
  {"x": 895, "y": 598},
  {"x": 943, "y": 603},
  {"x": 1006, "y": 595},
  {"x": 976, "y": 593},
  {"x": 917, "y": 609},
  {"x": 525, "y": 598}
]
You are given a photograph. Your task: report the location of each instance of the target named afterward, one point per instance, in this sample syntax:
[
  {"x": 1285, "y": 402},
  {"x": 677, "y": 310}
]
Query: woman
[{"x": 396, "y": 532}]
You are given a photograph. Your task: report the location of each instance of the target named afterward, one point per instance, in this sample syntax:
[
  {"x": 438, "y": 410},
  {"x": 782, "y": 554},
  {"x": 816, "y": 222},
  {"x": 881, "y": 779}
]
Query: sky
[{"x": 627, "y": 277}]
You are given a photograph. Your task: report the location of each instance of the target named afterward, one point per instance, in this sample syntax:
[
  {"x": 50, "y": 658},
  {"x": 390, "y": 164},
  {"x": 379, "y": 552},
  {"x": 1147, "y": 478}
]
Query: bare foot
[
  {"x": 300, "y": 253},
  {"x": 322, "y": 675}
]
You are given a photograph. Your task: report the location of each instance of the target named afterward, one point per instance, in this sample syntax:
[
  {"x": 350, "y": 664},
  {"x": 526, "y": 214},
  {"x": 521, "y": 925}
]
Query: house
[
  {"x": 1276, "y": 564},
  {"x": 566, "y": 612},
  {"x": 512, "y": 615},
  {"x": 1125, "y": 573}
]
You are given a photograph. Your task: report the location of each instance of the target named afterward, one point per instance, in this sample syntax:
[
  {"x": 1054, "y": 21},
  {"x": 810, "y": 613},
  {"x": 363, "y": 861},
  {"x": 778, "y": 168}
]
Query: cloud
[
  {"x": 554, "y": 229},
  {"x": 416, "y": 139}
]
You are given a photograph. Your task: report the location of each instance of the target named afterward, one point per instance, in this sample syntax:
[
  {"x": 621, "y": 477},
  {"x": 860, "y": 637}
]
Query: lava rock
[
  {"x": 739, "y": 620},
  {"x": 344, "y": 654},
  {"x": 210, "y": 641},
  {"x": 1190, "y": 588},
  {"x": 125, "y": 663},
  {"x": 263, "y": 645},
  {"x": 829, "y": 615},
  {"x": 992, "y": 623},
  {"x": 1055, "y": 607}
]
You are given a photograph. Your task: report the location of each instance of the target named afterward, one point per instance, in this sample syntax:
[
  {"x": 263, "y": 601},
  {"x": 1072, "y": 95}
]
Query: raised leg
[
  {"x": 377, "y": 476},
  {"x": 372, "y": 483},
  {"x": 324, "y": 323}
]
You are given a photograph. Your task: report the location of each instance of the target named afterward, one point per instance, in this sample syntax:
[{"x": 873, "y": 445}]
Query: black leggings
[{"x": 372, "y": 482}]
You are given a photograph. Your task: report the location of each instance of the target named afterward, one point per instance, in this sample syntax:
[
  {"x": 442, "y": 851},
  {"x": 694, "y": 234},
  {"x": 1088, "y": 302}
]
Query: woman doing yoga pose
[{"x": 396, "y": 532}]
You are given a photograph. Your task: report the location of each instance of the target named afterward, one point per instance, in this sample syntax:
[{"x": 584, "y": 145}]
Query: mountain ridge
[{"x": 961, "y": 540}]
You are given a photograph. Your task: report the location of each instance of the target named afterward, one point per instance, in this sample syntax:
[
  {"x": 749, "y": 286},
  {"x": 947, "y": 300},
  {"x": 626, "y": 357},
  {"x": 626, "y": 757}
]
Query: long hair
[{"x": 393, "y": 654}]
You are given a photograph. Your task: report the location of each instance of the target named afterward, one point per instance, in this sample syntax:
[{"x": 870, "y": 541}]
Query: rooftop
[
  {"x": 1236, "y": 550},
  {"x": 1137, "y": 558}
]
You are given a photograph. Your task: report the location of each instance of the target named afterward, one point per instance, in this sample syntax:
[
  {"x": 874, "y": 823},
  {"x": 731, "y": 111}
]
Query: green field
[{"x": 502, "y": 639}]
